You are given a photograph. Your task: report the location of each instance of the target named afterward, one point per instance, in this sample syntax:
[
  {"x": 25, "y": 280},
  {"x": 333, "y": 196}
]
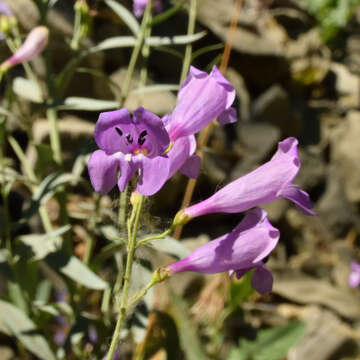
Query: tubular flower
[
  {"x": 354, "y": 277},
  {"x": 34, "y": 44},
  {"x": 239, "y": 251},
  {"x": 201, "y": 98},
  {"x": 140, "y": 5},
  {"x": 182, "y": 154},
  {"x": 269, "y": 182},
  {"x": 130, "y": 144}
]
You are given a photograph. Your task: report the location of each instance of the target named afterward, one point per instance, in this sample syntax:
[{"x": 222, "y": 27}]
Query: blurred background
[{"x": 295, "y": 65}]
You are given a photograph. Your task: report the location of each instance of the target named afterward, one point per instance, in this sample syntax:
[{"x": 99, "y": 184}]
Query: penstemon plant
[{"x": 54, "y": 286}]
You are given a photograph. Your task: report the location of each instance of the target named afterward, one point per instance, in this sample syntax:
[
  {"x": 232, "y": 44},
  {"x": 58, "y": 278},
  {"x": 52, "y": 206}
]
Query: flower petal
[
  {"x": 191, "y": 167},
  {"x": 202, "y": 98},
  {"x": 106, "y": 135},
  {"x": 157, "y": 138},
  {"x": 102, "y": 171},
  {"x": 220, "y": 78},
  {"x": 262, "y": 279},
  {"x": 258, "y": 187},
  {"x": 127, "y": 170},
  {"x": 250, "y": 242},
  {"x": 227, "y": 117},
  {"x": 297, "y": 196},
  {"x": 153, "y": 175}
]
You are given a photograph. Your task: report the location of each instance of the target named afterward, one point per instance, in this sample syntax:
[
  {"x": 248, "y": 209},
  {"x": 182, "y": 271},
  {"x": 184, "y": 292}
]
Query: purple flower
[
  {"x": 6, "y": 12},
  {"x": 4, "y": 9},
  {"x": 130, "y": 144},
  {"x": 202, "y": 97},
  {"x": 34, "y": 44},
  {"x": 237, "y": 252},
  {"x": 269, "y": 182},
  {"x": 182, "y": 157},
  {"x": 354, "y": 277},
  {"x": 140, "y": 5}
]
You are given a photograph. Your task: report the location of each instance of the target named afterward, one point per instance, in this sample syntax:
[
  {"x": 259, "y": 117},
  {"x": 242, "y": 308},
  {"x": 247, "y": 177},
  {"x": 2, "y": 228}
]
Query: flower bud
[
  {"x": 180, "y": 219},
  {"x": 31, "y": 48}
]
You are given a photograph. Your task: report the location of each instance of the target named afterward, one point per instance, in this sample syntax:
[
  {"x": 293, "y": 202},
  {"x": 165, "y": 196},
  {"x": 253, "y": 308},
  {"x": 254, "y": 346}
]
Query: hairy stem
[{"x": 132, "y": 233}]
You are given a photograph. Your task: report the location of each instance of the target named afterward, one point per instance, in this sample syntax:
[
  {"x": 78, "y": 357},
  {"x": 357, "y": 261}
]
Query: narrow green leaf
[
  {"x": 167, "y": 14},
  {"x": 270, "y": 344},
  {"x": 174, "y": 40},
  {"x": 14, "y": 322},
  {"x": 130, "y": 41},
  {"x": 73, "y": 268},
  {"x": 240, "y": 291},
  {"x": 27, "y": 89},
  {"x": 155, "y": 88},
  {"x": 188, "y": 333},
  {"x": 126, "y": 16},
  {"x": 87, "y": 104}
]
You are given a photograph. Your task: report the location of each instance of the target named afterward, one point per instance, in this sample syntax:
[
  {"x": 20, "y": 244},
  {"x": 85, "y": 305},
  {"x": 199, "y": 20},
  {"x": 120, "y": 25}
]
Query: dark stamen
[
  {"x": 129, "y": 138},
  {"x": 141, "y": 138},
  {"x": 118, "y": 131}
]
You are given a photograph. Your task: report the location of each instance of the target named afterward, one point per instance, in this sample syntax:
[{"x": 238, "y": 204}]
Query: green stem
[
  {"x": 155, "y": 237},
  {"x": 136, "y": 51},
  {"x": 122, "y": 207},
  {"x": 145, "y": 55},
  {"x": 51, "y": 115},
  {"x": 90, "y": 241},
  {"x": 132, "y": 232},
  {"x": 188, "y": 49}
]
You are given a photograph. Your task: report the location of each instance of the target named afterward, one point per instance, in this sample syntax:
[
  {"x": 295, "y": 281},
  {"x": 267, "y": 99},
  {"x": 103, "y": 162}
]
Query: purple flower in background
[
  {"x": 140, "y": 5},
  {"x": 237, "y": 252},
  {"x": 201, "y": 98},
  {"x": 4, "y": 9},
  {"x": 354, "y": 277},
  {"x": 130, "y": 144},
  {"x": 269, "y": 182},
  {"x": 34, "y": 44}
]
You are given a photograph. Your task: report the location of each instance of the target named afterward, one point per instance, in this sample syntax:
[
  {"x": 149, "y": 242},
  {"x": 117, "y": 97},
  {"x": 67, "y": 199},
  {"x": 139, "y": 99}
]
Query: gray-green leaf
[
  {"x": 128, "y": 18},
  {"x": 270, "y": 344},
  {"x": 73, "y": 268},
  {"x": 27, "y": 89},
  {"x": 14, "y": 322}
]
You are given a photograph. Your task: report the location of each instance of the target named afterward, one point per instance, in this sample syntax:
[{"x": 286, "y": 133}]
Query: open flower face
[
  {"x": 237, "y": 252},
  {"x": 129, "y": 144}
]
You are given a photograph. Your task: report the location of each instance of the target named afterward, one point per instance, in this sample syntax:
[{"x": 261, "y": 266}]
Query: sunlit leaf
[
  {"x": 270, "y": 344},
  {"x": 73, "y": 268},
  {"x": 87, "y": 104},
  {"x": 14, "y": 322},
  {"x": 128, "y": 18},
  {"x": 44, "y": 244},
  {"x": 170, "y": 246},
  {"x": 27, "y": 89},
  {"x": 155, "y": 88},
  {"x": 129, "y": 41}
]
